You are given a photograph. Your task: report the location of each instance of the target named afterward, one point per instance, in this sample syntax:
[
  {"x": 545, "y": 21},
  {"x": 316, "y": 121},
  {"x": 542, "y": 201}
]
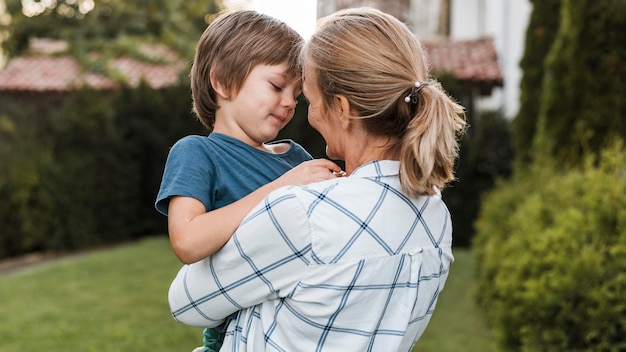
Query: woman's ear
[
  {"x": 343, "y": 105},
  {"x": 218, "y": 87}
]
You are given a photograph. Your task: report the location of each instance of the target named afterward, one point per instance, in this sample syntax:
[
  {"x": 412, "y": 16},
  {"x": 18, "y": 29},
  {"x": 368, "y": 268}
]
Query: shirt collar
[{"x": 378, "y": 168}]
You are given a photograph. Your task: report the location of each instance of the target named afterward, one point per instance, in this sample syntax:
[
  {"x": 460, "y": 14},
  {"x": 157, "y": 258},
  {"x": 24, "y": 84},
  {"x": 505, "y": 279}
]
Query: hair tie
[{"x": 414, "y": 91}]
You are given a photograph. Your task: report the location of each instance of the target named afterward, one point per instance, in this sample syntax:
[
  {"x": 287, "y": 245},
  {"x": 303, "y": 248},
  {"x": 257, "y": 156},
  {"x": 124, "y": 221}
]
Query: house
[
  {"x": 47, "y": 70},
  {"x": 458, "y": 34},
  {"x": 505, "y": 22}
]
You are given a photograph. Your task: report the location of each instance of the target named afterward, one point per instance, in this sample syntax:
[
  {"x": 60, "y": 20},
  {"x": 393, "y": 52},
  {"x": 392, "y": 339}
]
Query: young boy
[{"x": 244, "y": 81}]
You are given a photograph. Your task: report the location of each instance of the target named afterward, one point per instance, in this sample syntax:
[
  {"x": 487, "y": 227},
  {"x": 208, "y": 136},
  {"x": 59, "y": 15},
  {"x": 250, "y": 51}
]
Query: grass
[
  {"x": 111, "y": 300},
  {"x": 116, "y": 300},
  {"x": 457, "y": 324}
]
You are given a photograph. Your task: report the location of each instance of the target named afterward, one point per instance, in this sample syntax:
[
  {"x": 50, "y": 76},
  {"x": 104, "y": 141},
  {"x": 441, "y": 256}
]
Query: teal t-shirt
[{"x": 218, "y": 170}]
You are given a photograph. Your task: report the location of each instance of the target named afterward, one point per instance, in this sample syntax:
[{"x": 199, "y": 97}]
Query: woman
[{"x": 353, "y": 263}]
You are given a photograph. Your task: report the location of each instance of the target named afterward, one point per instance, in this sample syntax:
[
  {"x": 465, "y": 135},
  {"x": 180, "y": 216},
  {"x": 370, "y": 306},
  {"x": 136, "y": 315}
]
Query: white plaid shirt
[{"x": 350, "y": 264}]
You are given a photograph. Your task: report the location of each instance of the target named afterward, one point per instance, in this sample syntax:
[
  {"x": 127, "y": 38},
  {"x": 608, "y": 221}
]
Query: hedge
[
  {"x": 550, "y": 246},
  {"x": 83, "y": 170}
]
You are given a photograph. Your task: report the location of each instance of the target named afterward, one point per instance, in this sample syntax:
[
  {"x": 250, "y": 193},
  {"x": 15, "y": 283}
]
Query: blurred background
[{"x": 94, "y": 92}]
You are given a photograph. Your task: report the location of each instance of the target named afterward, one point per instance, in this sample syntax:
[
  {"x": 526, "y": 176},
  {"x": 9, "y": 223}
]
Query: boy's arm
[{"x": 196, "y": 234}]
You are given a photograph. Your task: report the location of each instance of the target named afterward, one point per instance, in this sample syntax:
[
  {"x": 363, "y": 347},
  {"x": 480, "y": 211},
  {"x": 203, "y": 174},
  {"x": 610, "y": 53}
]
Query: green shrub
[
  {"x": 550, "y": 248},
  {"x": 24, "y": 156},
  {"x": 83, "y": 170},
  {"x": 93, "y": 178}
]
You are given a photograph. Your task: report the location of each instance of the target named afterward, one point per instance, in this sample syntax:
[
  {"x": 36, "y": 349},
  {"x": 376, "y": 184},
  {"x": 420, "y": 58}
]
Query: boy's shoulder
[
  {"x": 191, "y": 146},
  {"x": 191, "y": 140},
  {"x": 194, "y": 142},
  {"x": 212, "y": 140}
]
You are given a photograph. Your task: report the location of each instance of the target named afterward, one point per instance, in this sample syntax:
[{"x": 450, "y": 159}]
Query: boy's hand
[{"x": 310, "y": 171}]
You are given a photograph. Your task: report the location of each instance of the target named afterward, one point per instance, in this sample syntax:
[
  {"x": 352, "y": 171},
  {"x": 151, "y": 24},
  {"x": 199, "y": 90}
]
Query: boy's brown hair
[{"x": 231, "y": 47}]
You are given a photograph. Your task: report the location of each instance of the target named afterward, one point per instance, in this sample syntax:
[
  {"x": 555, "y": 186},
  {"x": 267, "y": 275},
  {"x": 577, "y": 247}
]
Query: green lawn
[
  {"x": 111, "y": 300},
  {"x": 457, "y": 324},
  {"x": 116, "y": 300}
]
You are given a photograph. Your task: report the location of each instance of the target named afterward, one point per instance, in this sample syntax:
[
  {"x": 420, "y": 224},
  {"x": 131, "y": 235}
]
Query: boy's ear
[{"x": 218, "y": 87}]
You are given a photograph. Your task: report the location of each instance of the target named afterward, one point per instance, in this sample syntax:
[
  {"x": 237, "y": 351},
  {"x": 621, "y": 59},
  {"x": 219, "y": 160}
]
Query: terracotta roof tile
[
  {"x": 156, "y": 75},
  {"x": 472, "y": 61},
  {"x": 47, "y": 46},
  {"x": 47, "y": 74},
  {"x": 63, "y": 73}
]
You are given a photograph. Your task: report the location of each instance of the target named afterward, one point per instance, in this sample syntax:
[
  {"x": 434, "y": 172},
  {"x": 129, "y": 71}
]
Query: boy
[{"x": 244, "y": 81}]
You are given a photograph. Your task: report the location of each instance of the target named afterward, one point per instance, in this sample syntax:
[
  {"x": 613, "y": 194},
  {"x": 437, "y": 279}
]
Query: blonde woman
[{"x": 353, "y": 263}]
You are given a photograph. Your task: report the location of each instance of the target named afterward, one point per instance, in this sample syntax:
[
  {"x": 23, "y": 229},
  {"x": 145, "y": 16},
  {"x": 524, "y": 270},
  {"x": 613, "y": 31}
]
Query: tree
[
  {"x": 583, "y": 105},
  {"x": 542, "y": 28},
  {"x": 99, "y": 24}
]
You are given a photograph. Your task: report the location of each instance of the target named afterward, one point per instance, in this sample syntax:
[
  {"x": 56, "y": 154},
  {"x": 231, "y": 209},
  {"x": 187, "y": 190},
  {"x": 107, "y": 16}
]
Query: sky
[{"x": 300, "y": 14}]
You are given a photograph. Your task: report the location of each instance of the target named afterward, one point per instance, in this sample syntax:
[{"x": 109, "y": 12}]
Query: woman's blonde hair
[
  {"x": 374, "y": 60},
  {"x": 231, "y": 47}
]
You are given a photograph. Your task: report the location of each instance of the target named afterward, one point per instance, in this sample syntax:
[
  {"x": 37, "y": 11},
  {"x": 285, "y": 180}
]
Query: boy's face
[{"x": 264, "y": 105}]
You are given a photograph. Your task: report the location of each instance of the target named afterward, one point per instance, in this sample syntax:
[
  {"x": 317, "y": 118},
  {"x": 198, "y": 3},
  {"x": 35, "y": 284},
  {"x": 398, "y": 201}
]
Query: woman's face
[
  {"x": 313, "y": 95},
  {"x": 321, "y": 119}
]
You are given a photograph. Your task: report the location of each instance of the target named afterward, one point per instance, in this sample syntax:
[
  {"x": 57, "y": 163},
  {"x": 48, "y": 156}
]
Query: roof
[
  {"x": 472, "y": 61},
  {"x": 46, "y": 73}
]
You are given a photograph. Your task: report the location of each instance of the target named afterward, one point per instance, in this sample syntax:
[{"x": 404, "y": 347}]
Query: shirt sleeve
[
  {"x": 264, "y": 260},
  {"x": 188, "y": 172}
]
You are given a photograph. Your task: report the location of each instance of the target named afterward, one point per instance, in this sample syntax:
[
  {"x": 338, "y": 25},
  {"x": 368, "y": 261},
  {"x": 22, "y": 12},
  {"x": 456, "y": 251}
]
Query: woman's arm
[
  {"x": 195, "y": 233},
  {"x": 265, "y": 260}
]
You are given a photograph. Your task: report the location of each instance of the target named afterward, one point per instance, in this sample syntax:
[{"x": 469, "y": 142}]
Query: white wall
[{"x": 505, "y": 21}]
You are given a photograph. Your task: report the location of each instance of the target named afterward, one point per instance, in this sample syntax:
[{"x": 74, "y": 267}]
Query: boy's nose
[{"x": 289, "y": 101}]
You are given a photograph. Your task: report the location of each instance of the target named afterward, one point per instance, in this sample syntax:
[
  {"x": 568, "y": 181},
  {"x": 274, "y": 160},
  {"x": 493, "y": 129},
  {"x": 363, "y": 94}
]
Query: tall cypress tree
[
  {"x": 542, "y": 28},
  {"x": 583, "y": 105}
]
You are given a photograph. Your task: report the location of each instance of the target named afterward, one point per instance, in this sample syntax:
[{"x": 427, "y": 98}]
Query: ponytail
[{"x": 429, "y": 146}]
